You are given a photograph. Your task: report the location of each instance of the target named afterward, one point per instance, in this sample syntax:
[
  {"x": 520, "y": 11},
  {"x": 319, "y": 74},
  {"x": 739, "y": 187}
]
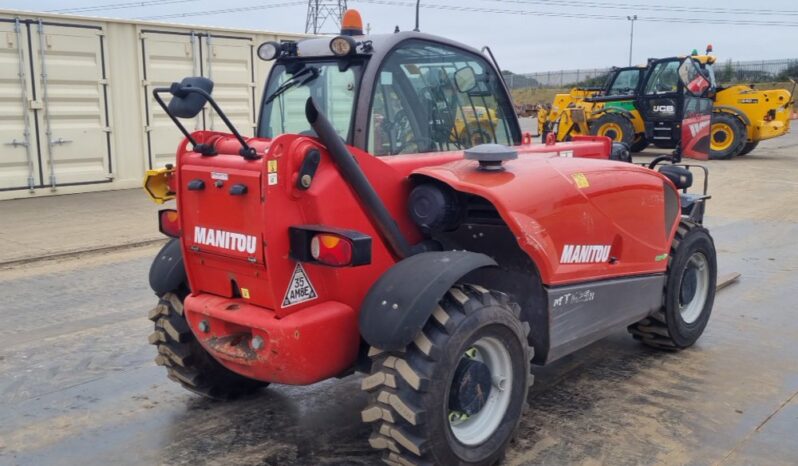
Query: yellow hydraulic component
[
  {"x": 157, "y": 184},
  {"x": 556, "y": 119}
]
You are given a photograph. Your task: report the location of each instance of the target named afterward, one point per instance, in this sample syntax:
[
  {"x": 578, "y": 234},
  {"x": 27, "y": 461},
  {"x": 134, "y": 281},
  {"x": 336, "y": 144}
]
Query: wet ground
[{"x": 78, "y": 385}]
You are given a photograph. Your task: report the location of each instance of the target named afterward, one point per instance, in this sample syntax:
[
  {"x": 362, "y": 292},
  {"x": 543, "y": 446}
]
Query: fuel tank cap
[{"x": 491, "y": 156}]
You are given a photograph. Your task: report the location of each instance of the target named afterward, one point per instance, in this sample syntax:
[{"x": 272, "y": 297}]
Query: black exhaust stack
[{"x": 355, "y": 177}]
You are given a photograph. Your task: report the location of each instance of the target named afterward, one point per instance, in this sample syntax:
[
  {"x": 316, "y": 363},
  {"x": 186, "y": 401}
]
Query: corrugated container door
[
  {"x": 168, "y": 57},
  {"x": 19, "y": 161},
  {"x": 227, "y": 61},
  {"x": 70, "y": 81}
]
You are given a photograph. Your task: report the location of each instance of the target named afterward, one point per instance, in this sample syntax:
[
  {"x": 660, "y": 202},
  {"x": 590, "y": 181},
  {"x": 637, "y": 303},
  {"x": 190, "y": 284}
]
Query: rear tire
[
  {"x": 689, "y": 292},
  {"x": 726, "y": 136},
  {"x": 749, "y": 146},
  {"x": 640, "y": 143},
  {"x": 615, "y": 126},
  {"x": 417, "y": 395},
  {"x": 186, "y": 361}
]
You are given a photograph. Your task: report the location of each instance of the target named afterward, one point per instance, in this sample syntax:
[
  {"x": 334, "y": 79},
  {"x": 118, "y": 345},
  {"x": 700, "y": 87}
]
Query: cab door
[
  {"x": 696, "y": 110},
  {"x": 660, "y": 102}
]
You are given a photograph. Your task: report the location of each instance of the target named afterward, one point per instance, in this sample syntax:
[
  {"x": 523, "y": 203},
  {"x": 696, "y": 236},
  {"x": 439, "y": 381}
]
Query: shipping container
[{"x": 76, "y": 106}]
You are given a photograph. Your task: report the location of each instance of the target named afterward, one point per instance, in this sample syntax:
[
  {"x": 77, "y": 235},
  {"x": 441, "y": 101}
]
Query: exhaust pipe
[{"x": 355, "y": 177}]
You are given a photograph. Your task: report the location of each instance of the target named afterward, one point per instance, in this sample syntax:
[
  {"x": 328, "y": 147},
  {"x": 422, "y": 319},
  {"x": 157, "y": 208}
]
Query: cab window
[
  {"x": 430, "y": 97},
  {"x": 332, "y": 84},
  {"x": 664, "y": 78},
  {"x": 625, "y": 82}
]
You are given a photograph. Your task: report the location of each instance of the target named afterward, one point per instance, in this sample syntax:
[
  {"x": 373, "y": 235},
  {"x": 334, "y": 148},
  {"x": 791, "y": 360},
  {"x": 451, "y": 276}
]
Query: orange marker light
[{"x": 352, "y": 23}]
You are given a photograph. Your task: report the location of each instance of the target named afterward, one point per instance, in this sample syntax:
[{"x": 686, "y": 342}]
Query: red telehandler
[{"x": 358, "y": 231}]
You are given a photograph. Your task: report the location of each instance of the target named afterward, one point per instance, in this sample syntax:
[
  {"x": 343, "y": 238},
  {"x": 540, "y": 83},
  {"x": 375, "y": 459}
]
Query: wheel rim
[
  {"x": 694, "y": 288},
  {"x": 722, "y": 136},
  {"x": 611, "y": 130},
  {"x": 477, "y": 428}
]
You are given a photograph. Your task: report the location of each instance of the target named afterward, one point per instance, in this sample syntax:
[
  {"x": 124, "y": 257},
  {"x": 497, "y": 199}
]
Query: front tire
[
  {"x": 614, "y": 126},
  {"x": 186, "y": 361},
  {"x": 689, "y": 292},
  {"x": 456, "y": 394}
]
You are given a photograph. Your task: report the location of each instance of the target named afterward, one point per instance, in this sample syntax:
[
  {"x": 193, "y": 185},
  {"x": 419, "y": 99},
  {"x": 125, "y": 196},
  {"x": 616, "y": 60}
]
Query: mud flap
[{"x": 167, "y": 272}]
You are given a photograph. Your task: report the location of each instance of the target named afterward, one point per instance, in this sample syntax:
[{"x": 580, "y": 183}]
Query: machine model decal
[
  {"x": 696, "y": 128},
  {"x": 748, "y": 101},
  {"x": 566, "y": 153},
  {"x": 299, "y": 289},
  {"x": 585, "y": 254},
  {"x": 581, "y": 180},
  {"x": 576, "y": 297},
  {"x": 225, "y": 239},
  {"x": 219, "y": 176}
]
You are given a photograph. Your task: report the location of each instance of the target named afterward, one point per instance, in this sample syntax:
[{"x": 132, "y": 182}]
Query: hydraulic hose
[{"x": 355, "y": 177}]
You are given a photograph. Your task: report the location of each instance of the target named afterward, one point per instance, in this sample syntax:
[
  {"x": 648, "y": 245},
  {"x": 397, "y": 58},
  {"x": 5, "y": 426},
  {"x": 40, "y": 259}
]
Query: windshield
[
  {"x": 625, "y": 82},
  {"x": 332, "y": 84}
]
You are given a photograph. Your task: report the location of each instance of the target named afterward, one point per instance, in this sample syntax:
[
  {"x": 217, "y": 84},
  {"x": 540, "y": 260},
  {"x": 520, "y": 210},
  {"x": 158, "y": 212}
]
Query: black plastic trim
[{"x": 300, "y": 237}]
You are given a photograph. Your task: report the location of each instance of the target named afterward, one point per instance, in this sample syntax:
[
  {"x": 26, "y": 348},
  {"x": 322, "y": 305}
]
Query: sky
[{"x": 525, "y": 35}]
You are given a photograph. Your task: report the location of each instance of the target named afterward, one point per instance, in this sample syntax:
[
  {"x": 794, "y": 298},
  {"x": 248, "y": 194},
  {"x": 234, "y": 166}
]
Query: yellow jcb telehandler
[{"x": 635, "y": 103}]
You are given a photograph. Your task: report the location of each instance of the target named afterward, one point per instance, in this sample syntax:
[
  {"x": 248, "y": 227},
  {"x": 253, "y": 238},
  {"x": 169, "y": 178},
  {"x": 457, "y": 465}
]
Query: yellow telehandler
[{"x": 741, "y": 115}]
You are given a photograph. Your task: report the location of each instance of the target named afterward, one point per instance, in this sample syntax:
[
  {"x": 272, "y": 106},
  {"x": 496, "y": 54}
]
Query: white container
[{"x": 76, "y": 107}]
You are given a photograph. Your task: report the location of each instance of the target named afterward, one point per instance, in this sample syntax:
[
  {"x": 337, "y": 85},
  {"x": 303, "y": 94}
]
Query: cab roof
[{"x": 381, "y": 44}]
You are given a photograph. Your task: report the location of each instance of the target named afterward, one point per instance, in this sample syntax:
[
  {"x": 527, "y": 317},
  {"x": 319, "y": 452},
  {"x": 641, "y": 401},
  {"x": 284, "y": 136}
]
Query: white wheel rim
[
  {"x": 480, "y": 426},
  {"x": 691, "y": 311}
]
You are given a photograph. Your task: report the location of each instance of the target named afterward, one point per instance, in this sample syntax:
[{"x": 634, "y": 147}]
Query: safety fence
[{"x": 726, "y": 72}]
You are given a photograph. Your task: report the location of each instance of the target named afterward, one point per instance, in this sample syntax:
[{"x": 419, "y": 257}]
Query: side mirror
[
  {"x": 465, "y": 79},
  {"x": 189, "y": 96}
]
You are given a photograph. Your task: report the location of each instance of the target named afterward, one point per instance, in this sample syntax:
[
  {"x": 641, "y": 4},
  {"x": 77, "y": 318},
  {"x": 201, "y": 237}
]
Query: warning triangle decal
[{"x": 299, "y": 289}]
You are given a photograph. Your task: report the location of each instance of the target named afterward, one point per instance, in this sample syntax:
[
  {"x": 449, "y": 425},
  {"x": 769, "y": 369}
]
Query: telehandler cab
[{"x": 353, "y": 232}]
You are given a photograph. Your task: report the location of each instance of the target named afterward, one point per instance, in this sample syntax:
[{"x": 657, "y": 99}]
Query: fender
[
  {"x": 620, "y": 111},
  {"x": 167, "y": 271},
  {"x": 401, "y": 301},
  {"x": 734, "y": 111}
]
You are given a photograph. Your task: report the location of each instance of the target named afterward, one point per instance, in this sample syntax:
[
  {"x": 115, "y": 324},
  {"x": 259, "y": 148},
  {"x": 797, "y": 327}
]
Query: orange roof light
[
  {"x": 352, "y": 23},
  {"x": 709, "y": 48}
]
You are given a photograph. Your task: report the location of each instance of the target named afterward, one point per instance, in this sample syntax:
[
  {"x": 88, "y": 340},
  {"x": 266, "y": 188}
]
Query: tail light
[
  {"x": 331, "y": 249},
  {"x": 168, "y": 223},
  {"x": 330, "y": 246}
]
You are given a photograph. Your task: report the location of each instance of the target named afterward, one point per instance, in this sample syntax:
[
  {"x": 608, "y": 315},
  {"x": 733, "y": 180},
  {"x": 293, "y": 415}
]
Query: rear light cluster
[
  {"x": 330, "y": 246},
  {"x": 168, "y": 223},
  {"x": 331, "y": 249}
]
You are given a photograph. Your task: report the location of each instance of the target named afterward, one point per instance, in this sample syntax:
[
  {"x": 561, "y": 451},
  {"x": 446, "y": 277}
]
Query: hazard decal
[{"x": 299, "y": 289}]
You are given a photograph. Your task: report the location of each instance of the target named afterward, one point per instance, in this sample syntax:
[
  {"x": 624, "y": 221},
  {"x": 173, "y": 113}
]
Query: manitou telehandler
[
  {"x": 639, "y": 105},
  {"x": 353, "y": 232}
]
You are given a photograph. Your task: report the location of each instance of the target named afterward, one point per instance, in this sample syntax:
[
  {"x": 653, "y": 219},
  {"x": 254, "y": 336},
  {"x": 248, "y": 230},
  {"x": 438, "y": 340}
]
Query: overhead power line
[
  {"x": 649, "y": 7},
  {"x": 227, "y": 10},
  {"x": 475, "y": 9},
  {"x": 119, "y": 6}
]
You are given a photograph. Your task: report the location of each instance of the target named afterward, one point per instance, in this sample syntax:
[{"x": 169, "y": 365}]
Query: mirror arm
[
  {"x": 163, "y": 90},
  {"x": 246, "y": 151}
]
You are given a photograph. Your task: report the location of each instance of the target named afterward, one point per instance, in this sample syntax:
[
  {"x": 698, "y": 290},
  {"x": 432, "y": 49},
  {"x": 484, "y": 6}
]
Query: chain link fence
[{"x": 726, "y": 72}]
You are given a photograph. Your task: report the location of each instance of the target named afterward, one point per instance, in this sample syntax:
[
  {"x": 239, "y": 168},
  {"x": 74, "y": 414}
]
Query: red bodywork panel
[{"x": 236, "y": 247}]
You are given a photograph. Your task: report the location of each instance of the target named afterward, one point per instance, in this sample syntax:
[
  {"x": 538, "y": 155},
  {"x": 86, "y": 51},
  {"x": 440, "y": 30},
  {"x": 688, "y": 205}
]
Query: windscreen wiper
[{"x": 300, "y": 78}]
